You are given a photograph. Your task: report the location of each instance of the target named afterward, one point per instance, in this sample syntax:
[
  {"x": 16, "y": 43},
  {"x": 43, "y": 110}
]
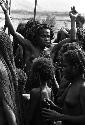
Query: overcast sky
[
  {"x": 62, "y": 5},
  {"x": 54, "y": 5}
]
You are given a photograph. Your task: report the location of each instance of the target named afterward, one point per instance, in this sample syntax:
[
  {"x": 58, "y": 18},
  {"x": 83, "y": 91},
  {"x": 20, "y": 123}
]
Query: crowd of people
[{"x": 42, "y": 82}]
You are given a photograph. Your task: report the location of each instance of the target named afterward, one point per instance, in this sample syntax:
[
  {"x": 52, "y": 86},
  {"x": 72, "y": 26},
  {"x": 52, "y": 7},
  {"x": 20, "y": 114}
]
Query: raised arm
[
  {"x": 11, "y": 28},
  {"x": 4, "y": 7},
  {"x": 73, "y": 15}
]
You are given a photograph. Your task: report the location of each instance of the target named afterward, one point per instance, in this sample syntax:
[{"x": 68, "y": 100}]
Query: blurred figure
[{"x": 9, "y": 106}]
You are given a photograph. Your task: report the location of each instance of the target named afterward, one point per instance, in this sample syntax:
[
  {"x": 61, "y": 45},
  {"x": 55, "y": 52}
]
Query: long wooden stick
[
  {"x": 10, "y": 7},
  {"x": 9, "y": 14},
  {"x": 35, "y": 9}
]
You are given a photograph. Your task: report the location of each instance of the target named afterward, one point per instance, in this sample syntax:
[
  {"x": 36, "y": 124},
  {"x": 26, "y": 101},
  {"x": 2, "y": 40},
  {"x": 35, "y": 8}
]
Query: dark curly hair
[
  {"x": 32, "y": 32},
  {"x": 21, "y": 28},
  {"x": 66, "y": 47},
  {"x": 22, "y": 78},
  {"x": 80, "y": 18},
  {"x": 42, "y": 69},
  {"x": 55, "y": 50},
  {"x": 76, "y": 58}
]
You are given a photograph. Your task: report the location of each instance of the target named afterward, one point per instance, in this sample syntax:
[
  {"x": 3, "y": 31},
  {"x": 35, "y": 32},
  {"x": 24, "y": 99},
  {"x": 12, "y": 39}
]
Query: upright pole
[
  {"x": 9, "y": 14},
  {"x": 35, "y": 9},
  {"x": 9, "y": 7}
]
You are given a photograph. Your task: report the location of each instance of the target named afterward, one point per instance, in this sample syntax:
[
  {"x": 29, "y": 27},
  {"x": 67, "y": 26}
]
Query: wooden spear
[
  {"x": 10, "y": 7},
  {"x": 35, "y": 9},
  {"x": 9, "y": 14}
]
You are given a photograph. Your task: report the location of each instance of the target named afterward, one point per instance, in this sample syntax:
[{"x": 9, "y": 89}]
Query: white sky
[
  {"x": 63, "y": 5},
  {"x": 56, "y": 5}
]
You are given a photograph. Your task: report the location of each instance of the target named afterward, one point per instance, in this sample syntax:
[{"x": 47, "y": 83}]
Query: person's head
[
  {"x": 73, "y": 64},
  {"x": 66, "y": 47},
  {"x": 44, "y": 35},
  {"x": 38, "y": 34},
  {"x": 79, "y": 25},
  {"x": 42, "y": 71},
  {"x": 80, "y": 21},
  {"x": 55, "y": 50},
  {"x": 21, "y": 28}
]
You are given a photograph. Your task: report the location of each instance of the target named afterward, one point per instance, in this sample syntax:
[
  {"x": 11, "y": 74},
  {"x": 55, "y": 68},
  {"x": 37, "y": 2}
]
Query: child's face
[{"x": 69, "y": 71}]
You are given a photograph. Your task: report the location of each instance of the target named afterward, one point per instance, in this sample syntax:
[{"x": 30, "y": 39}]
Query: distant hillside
[
  {"x": 40, "y": 12},
  {"x": 27, "y": 7}
]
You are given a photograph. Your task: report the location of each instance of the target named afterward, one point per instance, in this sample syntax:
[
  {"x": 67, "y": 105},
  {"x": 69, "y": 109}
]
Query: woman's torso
[{"x": 72, "y": 104}]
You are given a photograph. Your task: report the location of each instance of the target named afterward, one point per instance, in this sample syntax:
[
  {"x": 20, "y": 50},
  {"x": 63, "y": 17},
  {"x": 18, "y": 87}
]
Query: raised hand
[
  {"x": 73, "y": 13},
  {"x": 1, "y": 1},
  {"x": 4, "y": 6}
]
